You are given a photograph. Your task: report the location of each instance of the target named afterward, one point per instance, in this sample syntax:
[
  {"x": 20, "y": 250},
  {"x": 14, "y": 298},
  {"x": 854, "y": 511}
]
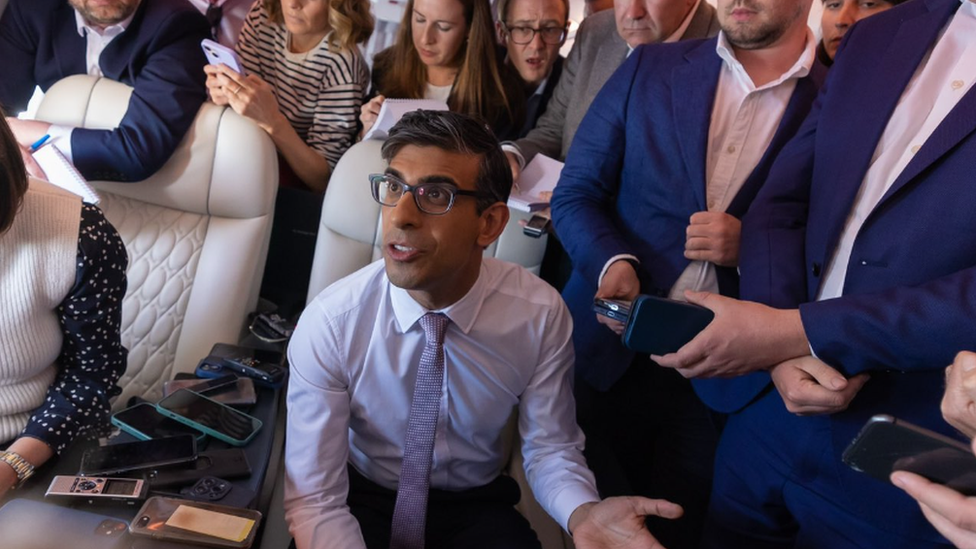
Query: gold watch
[{"x": 21, "y": 466}]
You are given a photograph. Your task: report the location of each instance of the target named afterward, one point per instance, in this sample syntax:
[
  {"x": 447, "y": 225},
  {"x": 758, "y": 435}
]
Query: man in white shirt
[
  {"x": 404, "y": 374},
  {"x": 665, "y": 163},
  {"x": 860, "y": 251}
]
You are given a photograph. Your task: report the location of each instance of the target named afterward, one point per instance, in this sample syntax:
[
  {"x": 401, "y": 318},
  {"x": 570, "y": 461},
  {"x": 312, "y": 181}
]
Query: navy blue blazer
[
  {"x": 635, "y": 174},
  {"x": 159, "y": 55}
]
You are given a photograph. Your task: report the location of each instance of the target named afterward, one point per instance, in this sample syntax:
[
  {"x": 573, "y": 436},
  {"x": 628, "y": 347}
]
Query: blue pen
[{"x": 37, "y": 144}]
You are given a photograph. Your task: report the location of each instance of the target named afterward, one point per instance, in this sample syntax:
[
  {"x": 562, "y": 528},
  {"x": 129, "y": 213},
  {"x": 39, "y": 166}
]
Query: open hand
[{"x": 618, "y": 523}]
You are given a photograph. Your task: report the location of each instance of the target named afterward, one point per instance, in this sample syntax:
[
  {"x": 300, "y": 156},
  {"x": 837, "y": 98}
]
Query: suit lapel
[
  {"x": 804, "y": 94},
  {"x": 908, "y": 47},
  {"x": 693, "y": 95},
  {"x": 958, "y": 124},
  {"x": 69, "y": 46}
]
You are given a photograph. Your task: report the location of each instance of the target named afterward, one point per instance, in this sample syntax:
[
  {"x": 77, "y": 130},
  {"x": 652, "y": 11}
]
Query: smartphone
[
  {"x": 264, "y": 367},
  {"x": 886, "y": 444},
  {"x": 217, "y": 54},
  {"x": 226, "y": 463},
  {"x": 213, "y": 418},
  {"x": 29, "y": 524},
  {"x": 142, "y": 454},
  {"x": 612, "y": 308},
  {"x": 536, "y": 226},
  {"x": 144, "y": 422},
  {"x": 659, "y": 326},
  {"x": 200, "y": 523},
  {"x": 208, "y": 385},
  {"x": 241, "y": 393}
]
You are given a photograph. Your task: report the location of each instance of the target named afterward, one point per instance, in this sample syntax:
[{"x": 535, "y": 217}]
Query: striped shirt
[{"x": 320, "y": 92}]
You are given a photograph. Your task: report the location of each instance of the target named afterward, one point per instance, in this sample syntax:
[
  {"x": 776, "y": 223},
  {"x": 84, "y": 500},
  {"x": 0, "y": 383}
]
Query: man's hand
[
  {"x": 620, "y": 282},
  {"x": 952, "y": 514},
  {"x": 809, "y": 386},
  {"x": 619, "y": 523},
  {"x": 370, "y": 112},
  {"x": 714, "y": 237},
  {"x": 514, "y": 164},
  {"x": 742, "y": 338},
  {"x": 958, "y": 406}
]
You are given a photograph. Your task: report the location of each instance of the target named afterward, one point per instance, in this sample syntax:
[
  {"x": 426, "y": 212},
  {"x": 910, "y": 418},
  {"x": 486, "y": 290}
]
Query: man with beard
[
  {"x": 151, "y": 45},
  {"x": 668, "y": 159}
]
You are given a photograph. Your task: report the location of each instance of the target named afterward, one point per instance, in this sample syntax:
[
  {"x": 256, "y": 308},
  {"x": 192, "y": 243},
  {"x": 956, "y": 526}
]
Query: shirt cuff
[
  {"x": 569, "y": 500},
  {"x": 511, "y": 147},
  {"x": 614, "y": 259},
  {"x": 61, "y": 138}
]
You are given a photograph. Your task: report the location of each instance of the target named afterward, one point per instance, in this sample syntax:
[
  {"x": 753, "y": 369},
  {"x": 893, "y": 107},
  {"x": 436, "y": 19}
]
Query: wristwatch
[{"x": 21, "y": 466}]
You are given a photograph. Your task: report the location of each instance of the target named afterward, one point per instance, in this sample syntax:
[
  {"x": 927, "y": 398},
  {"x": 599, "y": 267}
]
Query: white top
[
  {"x": 320, "y": 92},
  {"x": 437, "y": 93},
  {"x": 354, "y": 360},
  {"x": 940, "y": 81},
  {"x": 232, "y": 20}
]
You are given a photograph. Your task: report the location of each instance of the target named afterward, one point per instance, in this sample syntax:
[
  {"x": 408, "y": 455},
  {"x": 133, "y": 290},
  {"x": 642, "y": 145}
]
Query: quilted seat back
[{"x": 196, "y": 231}]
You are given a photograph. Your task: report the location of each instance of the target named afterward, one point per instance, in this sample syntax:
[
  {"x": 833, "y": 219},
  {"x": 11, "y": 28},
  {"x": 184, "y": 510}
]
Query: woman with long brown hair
[{"x": 446, "y": 50}]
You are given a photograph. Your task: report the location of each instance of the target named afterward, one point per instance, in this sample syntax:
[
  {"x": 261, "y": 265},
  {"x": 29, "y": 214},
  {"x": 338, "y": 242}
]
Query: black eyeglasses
[
  {"x": 431, "y": 198},
  {"x": 525, "y": 35}
]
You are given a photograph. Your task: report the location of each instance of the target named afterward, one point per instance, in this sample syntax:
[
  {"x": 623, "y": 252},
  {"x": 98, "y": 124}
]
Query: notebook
[
  {"x": 539, "y": 176},
  {"x": 63, "y": 173},
  {"x": 393, "y": 110}
]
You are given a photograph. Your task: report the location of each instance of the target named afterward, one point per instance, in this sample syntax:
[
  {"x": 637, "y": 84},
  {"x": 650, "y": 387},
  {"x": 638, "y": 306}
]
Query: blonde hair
[{"x": 351, "y": 21}]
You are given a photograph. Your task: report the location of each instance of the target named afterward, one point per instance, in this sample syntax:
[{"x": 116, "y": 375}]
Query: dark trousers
[
  {"x": 292, "y": 249},
  {"x": 479, "y": 518},
  {"x": 650, "y": 435},
  {"x": 779, "y": 485}
]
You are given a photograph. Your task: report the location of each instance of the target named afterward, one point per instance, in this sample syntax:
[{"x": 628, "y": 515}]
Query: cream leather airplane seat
[
  {"x": 350, "y": 237},
  {"x": 196, "y": 231}
]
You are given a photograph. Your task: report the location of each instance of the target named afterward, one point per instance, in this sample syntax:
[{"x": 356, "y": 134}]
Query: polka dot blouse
[{"x": 92, "y": 357}]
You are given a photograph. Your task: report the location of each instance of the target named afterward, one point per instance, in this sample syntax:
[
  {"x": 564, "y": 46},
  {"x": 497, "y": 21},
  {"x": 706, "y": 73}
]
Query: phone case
[
  {"x": 217, "y": 54},
  {"x": 151, "y": 520},
  {"x": 227, "y": 463},
  {"x": 237, "y": 414},
  {"x": 135, "y": 432},
  {"x": 91, "y": 467},
  {"x": 659, "y": 326},
  {"x": 886, "y": 444}
]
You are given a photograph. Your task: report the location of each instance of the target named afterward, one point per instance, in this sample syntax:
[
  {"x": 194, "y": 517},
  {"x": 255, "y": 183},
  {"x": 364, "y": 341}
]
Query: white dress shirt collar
[
  {"x": 462, "y": 312},
  {"x": 799, "y": 69},
  {"x": 109, "y": 31}
]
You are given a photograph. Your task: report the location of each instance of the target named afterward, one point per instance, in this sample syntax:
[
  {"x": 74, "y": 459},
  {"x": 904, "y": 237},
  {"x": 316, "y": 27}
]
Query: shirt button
[
  {"x": 731, "y": 149},
  {"x": 956, "y": 84},
  {"x": 916, "y": 148}
]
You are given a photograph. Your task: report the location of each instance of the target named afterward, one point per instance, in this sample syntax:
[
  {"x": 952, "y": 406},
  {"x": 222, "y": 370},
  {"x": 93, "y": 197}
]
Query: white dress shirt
[
  {"x": 354, "y": 360},
  {"x": 96, "y": 41},
  {"x": 743, "y": 122},
  {"x": 940, "y": 81}
]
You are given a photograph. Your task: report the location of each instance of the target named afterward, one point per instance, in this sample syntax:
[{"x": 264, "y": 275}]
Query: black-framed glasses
[
  {"x": 524, "y": 35},
  {"x": 431, "y": 198}
]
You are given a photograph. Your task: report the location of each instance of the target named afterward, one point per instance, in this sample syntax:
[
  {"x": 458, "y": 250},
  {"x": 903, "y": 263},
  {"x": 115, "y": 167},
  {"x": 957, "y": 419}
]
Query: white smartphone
[{"x": 217, "y": 54}]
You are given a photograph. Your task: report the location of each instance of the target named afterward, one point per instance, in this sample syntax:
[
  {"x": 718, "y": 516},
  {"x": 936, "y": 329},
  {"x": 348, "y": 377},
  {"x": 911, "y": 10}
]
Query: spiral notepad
[
  {"x": 393, "y": 110},
  {"x": 63, "y": 173}
]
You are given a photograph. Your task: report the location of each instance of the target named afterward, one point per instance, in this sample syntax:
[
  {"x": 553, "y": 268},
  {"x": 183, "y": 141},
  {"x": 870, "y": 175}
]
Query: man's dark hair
[
  {"x": 13, "y": 176},
  {"x": 456, "y": 133}
]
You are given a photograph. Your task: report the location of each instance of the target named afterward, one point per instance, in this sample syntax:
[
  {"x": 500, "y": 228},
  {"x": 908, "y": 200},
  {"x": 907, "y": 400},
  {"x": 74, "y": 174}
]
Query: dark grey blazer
[{"x": 597, "y": 53}]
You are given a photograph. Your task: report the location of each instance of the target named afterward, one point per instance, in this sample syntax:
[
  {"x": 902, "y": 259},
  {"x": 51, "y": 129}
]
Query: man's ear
[{"x": 493, "y": 221}]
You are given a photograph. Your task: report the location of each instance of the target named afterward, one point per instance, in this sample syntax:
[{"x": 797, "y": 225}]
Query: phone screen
[
  {"x": 144, "y": 419},
  {"x": 126, "y": 456},
  {"x": 212, "y": 415}
]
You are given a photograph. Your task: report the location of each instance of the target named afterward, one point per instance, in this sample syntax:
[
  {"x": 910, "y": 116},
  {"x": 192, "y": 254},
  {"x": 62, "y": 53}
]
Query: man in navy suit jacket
[
  {"x": 677, "y": 143},
  {"x": 158, "y": 53},
  {"x": 861, "y": 246}
]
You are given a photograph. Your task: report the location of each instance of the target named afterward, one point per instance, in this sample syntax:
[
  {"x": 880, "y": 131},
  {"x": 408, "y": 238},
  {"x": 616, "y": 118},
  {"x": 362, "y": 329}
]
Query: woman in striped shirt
[{"x": 305, "y": 81}]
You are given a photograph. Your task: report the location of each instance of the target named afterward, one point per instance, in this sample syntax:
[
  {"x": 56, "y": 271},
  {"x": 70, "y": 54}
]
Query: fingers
[
  {"x": 955, "y": 507},
  {"x": 823, "y": 374},
  {"x": 33, "y": 168},
  {"x": 656, "y": 507}
]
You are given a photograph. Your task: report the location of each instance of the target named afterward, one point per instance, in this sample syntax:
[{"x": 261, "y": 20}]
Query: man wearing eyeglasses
[
  {"x": 405, "y": 374},
  {"x": 533, "y": 31}
]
